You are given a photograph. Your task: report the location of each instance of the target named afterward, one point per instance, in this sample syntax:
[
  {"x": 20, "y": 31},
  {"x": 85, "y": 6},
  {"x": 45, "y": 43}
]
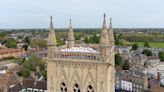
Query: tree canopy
[
  {"x": 147, "y": 52},
  {"x": 59, "y": 41},
  {"x": 135, "y": 46},
  {"x": 146, "y": 44},
  {"x": 10, "y": 43},
  {"x": 118, "y": 59},
  {"x": 30, "y": 65},
  {"x": 39, "y": 43},
  {"x": 161, "y": 55},
  {"x": 126, "y": 65},
  {"x": 92, "y": 39}
]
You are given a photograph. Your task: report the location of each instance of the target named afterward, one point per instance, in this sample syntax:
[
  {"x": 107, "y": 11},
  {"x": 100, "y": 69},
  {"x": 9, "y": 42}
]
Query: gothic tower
[
  {"x": 70, "y": 36},
  {"x": 84, "y": 68},
  {"x": 104, "y": 42}
]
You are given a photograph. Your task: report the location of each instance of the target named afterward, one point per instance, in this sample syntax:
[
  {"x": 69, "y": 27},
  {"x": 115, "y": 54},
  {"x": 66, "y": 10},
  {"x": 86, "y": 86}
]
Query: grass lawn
[{"x": 153, "y": 44}]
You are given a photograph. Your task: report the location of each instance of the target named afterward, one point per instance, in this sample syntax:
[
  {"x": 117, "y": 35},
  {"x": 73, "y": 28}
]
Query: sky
[{"x": 84, "y": 13}]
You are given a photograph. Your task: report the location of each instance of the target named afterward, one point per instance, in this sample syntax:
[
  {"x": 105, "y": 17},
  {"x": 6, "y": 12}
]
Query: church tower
[
  {"x": 70, "y": 36},
  {"x": 84, "y": 68},
  {"x": 51, "y": 43}
]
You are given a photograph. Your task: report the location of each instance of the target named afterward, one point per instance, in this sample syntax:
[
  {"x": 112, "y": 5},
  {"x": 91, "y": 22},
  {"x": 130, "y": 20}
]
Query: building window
[
  {"x": 76, "y": 88},
  {"x": 29, "y": 89},
  {"x": 63, "y": 87},
  {"x": 140, "y": 87},
  {"x": 90, "y": 89},
  {"x": 35, "y": 90},
  {"x": 133, "y": 85}
]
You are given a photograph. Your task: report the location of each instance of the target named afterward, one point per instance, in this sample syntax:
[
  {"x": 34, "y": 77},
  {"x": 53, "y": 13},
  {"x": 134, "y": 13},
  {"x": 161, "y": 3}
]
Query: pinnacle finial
[
  {"x": 70, "y": 22},
  {"x": 104, "y": 15},
  {"x": 51, "y": 18},
  {"x": 104, "y": 21},
  {"x": 51, "y": 23},
  {"x": 111, "y": 22}
]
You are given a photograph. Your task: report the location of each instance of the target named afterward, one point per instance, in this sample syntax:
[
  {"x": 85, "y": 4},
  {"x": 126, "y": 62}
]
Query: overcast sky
[{"x": 84, "y": 13}]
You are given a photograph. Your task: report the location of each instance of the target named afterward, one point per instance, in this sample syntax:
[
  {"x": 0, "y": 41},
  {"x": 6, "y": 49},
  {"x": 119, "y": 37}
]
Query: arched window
[
  {"x": 90, "y": 89},
  {"x": 76, "y": 88},
  {"x": 63, "y": 87}
]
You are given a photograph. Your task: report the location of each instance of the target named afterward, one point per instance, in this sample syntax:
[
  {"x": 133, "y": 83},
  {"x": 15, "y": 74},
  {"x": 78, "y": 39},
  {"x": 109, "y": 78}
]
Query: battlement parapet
[{"x": 75, "y": 55}]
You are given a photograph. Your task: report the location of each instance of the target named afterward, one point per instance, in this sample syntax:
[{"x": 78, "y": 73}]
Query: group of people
[{"x": 79, "y": 49}]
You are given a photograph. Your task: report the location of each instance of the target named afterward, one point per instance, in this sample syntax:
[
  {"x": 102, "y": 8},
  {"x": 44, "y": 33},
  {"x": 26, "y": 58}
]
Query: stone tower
[
  {"x": 81, "y": 67},
  {"x": 70, "y": 36}
]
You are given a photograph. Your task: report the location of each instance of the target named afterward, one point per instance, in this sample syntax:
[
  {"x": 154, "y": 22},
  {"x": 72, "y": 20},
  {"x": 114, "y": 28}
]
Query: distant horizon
[
  {"x": 84, "y": 13},
  {"x": 67, "y": 28}
]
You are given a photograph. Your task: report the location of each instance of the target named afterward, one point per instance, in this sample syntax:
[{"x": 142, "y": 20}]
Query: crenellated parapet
[{"x": 75, "y": 55}]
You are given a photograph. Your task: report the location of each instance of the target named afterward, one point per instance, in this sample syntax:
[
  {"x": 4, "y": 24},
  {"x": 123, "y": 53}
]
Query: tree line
[{"x": 143, "y": 37}]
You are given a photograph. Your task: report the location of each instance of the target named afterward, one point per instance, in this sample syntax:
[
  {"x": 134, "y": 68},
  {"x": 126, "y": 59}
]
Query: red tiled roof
[{"x": 9, "y": 50}]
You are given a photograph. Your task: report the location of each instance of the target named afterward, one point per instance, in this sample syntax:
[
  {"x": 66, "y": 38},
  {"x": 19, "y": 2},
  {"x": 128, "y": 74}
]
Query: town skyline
[{"x": 84, "y": 14}]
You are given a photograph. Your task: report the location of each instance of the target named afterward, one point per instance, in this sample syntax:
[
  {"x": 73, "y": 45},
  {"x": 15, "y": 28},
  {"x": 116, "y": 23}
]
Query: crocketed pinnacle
[
  {"x": 51, "y": 35},
  {"x": 104, "y": 39},
  {"x": 111, "y": 35},
  {"x": 70, "y": 35}
]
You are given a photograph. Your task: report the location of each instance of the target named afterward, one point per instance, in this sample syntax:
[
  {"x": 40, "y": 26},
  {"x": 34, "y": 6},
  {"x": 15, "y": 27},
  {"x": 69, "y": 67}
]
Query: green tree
[
  {"x": 126, "y": 65},
  {"x": 39, "y": 43},
  {"x": 24, "y": 73},
  {"x": 95, "y": 39},
  {"x": 25, "y": 47},
  {"x": 27, "y": 40},
  {"x": 2, "y": 41},
  {"x": 11, "y": 43},
  {"x": 92, "y": 39},
  {"x": 86, "y": 40},
  {"x": 161, "y": 55},
  {"x": 30, "y": 65},
  {"x": 146, "y": 44},
  {"x": 59, "y": 41},
  {"x": 135, "y": 46},
  {"x": 117, "y": 39},
  {"x": 118, "y": 59},
  {"x": 147, "y": 52}
]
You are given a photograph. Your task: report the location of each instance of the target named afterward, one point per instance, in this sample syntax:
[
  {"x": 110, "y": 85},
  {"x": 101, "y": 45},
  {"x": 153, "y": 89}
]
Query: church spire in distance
[
  {"x": 51, "y": 35},
  {"x": 70, "y": 36}
]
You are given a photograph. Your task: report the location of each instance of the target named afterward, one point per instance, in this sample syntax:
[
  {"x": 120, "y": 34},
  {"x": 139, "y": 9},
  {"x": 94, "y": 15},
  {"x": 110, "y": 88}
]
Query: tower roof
[
  {"x": 111, "y": 35},
  {"x": 51, "y": 35},
  {"x": 104, "y": 39}
]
